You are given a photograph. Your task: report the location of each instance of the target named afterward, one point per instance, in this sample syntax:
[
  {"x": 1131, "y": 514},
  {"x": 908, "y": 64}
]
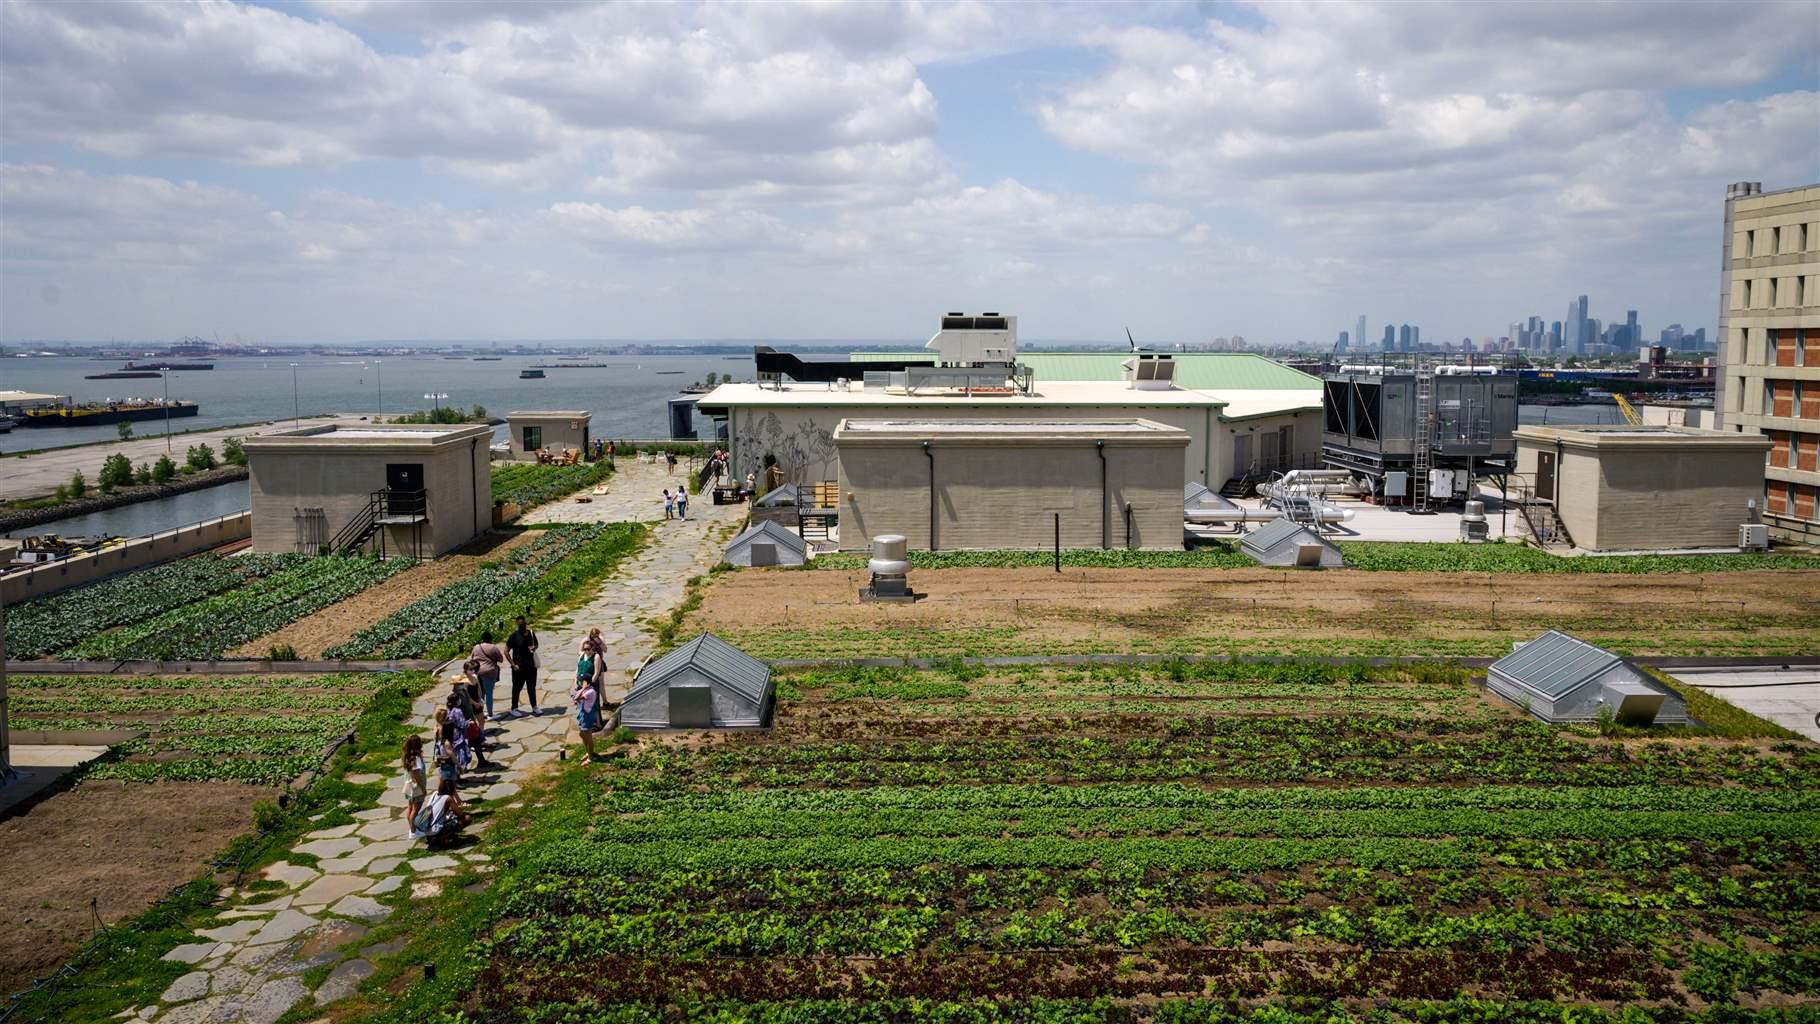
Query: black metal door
[
  {"x": 1545, "y": 475},
  {"x": 405, "y": 481}
]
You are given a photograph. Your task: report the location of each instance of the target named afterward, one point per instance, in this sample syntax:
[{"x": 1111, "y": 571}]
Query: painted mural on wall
[{"x": 805, "y": 449}]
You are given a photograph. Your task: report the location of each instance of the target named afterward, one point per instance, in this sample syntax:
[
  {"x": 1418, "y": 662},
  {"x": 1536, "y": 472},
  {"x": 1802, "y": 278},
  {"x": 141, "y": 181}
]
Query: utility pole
[
  {"x": 296, "y": 407},
  {"x": 379, "y": 368},
  {"x": 165, "y": 375}
]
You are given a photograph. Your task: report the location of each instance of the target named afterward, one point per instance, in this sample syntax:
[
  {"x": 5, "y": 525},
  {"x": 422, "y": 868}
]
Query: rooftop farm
[
  {"x": 1173, "y": 843},
  {"x": 157, "y": 809},
  {"x": 195, "y": 608},
  {"x": 1004, "y": 603},
  {"x": 527, "y": 484}
]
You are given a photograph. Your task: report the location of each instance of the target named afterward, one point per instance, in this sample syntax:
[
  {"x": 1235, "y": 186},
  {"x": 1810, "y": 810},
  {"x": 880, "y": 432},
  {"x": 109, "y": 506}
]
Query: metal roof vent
[
  {"x": 890, "y": 568},
  {"x": 1284, "y": 542},
  {"x": 1150, "y": 372},
  {"x": 1560, "y": 678}
]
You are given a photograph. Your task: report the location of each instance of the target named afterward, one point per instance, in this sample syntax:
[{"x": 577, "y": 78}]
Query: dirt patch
[
  {"x": 123, "y": 844},
  {"x": 792, "y": 613},
  {"x": 311, "y": 634}
]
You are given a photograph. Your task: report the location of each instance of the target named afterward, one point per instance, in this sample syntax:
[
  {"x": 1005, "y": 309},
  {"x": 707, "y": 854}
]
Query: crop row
[
  {"x": 1257, "y": 758},
  {"x": 1367, "y": 555},
  {"x": 204, "y": 629},
  {"x": 1619, "y": 977},
  {"x": 1707, "y": 879},
  {"x": 50, "y": 624},
  {"x": 527, "y": 484},
  {"x": 1456, "y": 1010},
  {"x": 261, "y": 730},
  {"x": 872, "y": 931},
  {"x": 1005, "y": 800},
  {"x": 515, "y": 582}
]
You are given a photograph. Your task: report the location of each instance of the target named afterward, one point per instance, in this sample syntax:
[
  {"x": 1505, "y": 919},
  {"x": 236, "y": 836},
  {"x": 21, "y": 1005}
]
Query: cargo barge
[
  {"x": 124, "y": 375},
  {"x": 161, "y": 365},
  {"x": 102, "y": 414}
]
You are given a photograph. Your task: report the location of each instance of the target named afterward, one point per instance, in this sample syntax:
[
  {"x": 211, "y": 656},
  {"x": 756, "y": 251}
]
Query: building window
[
  {"x": 1750, "y": 243},
  {"x": 1772, "y": 293},
  {"x": 1794, "y": 451},
  {"x": 1775, "y": 242},
  {"x": 1803, "y": 236},
  {"x": 533, "y": 438},
  {"x": 1771, "y": 341},
  {"x": 1769, "y": 398},
  {"x": 1794, "y": 408},
  {"x": 1788, "y": 498}
]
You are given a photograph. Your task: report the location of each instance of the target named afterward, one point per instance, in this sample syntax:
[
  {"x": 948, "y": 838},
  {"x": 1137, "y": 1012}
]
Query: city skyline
[{"x": 331, "y": 171}]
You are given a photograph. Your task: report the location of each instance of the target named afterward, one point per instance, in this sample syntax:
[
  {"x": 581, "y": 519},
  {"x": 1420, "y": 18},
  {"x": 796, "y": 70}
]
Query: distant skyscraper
[
  {"x": 1633, "y": 332},
  {"x": 1358, "y": 334},
  {"x": 1415, "y": 338},
  {"x": 1403, "y": 338},
  {"x": 1578, "y": 331},
  {"x": 1390, "y": 337},
  {"x": 1340, "y": 346}
]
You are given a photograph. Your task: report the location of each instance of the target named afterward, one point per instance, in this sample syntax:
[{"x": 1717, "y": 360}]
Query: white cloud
[{"x": 1438, "y": 148}]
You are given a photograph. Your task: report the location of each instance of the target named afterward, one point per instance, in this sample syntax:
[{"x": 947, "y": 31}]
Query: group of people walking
[{"x": 458, "y": 742}]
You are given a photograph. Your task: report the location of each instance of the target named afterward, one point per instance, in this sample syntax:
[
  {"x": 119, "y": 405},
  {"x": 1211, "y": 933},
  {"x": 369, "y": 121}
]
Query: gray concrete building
[
  {"x": 406, "y": 488},
  {"x": 1625, "y": 488},
  {"x": 555, "y": 432},
  {"x": 1769, "y": 342},
  {"x": 978, "y": 484}
]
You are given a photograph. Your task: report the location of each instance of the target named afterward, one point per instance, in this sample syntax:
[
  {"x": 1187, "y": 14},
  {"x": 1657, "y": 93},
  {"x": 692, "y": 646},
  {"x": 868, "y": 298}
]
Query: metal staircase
[
  {"x": 1239, "y": 486},
  {"x": 361, "y": 528},
  {"x": 1424, "y": 442},
  {"x": 384, "y": 508}
]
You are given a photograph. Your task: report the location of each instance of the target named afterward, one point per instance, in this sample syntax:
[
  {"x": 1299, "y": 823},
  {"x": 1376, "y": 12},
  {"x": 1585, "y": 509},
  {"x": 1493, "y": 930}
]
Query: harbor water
[
  {"x": 149, "y": 516},
  {"x": 628, "y": 395}
]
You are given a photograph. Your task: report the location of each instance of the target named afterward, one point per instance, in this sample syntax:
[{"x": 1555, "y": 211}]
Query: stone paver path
[{"x": 296, "y": 917}]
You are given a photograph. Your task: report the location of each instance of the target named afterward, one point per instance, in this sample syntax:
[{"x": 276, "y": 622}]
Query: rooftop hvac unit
[
  {"x": 1753, "y": 536},
  {"x": 963, "y": 340},
  {"x": 1150, "y": 373}
]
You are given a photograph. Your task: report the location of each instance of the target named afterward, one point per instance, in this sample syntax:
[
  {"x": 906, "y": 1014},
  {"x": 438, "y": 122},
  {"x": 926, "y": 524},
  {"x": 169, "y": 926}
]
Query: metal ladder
[{"x": 1418, "y": 487}]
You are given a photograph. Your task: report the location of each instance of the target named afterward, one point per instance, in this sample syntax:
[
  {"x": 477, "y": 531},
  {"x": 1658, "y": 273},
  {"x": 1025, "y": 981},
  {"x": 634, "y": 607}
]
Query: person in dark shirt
[{"x": 521, "y": 651}]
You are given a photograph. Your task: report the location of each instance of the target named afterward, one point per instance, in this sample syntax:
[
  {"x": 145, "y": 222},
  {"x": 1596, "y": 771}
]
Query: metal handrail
[{"x": 357, "y": 527}]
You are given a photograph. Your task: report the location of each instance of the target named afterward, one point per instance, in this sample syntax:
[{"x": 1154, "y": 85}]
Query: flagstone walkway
[{"x": 316, "y": 909}]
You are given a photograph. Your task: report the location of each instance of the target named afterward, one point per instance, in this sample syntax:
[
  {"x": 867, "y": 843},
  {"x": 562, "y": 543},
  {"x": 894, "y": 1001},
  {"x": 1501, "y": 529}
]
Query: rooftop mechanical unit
[
  {"x": 1381, "y": 421},
  {"x": 1560, "y": 678},
  {"x": 890, "y": 569}
]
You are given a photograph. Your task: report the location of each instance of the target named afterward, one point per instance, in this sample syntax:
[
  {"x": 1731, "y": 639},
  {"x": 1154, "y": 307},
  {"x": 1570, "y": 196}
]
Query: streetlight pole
[
  {"x": 165, "y": 375},
  {"x": 296, "y": 408},
  {"x": 379, "y": 368}
]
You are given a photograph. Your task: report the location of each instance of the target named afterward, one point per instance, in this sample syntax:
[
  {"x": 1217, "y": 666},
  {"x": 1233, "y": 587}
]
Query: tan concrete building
[
  {"x": 1264, "y": 417},
  {"x": 1625, "y": 488},
  {"x": 980, "y": 484},
  {"x": 1769, "y": 342},
  {"x": 554, "y": 432},
  {"x": 409, "y": 488}
]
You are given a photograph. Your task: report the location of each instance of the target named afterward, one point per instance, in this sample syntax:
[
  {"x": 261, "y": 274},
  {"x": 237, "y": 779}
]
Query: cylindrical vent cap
[{"x": 890, "y": 546}]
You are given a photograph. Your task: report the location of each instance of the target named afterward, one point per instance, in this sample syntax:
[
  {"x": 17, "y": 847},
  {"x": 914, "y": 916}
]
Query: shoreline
[
  {"x": 20, "y": 518},
  {"x": 27, "y": 452}
]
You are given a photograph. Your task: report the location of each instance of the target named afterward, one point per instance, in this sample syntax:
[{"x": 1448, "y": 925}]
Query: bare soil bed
[
  {"x": 334, "y": 624},
  {"x": 124, "y": 844},
  {"x": 794, "y": 613}
]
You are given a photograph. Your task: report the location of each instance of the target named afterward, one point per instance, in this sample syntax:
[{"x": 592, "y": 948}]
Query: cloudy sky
[{"x": 351, "y": 169}]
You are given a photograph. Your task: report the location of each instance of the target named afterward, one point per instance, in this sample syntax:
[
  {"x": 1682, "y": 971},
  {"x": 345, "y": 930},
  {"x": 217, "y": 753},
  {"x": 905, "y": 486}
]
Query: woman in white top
[{"x": 414, "y": 783}]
